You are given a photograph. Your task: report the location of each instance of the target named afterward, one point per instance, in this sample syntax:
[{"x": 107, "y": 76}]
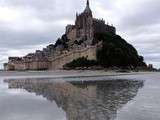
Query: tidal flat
[{"x": 79, "y": 95}]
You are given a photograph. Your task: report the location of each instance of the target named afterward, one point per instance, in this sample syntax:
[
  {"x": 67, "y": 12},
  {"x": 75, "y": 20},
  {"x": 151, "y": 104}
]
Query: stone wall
[
  {"x": 8, "y": 66},
  {"x": 19, "y": 66},
  {"x": 71, "y": 35},
  {"x": 37, "y": 65},
  {"x": 99, "y": 26},
  {"x": 58, "y": 62},
  {"x": 55, "y": 62}
]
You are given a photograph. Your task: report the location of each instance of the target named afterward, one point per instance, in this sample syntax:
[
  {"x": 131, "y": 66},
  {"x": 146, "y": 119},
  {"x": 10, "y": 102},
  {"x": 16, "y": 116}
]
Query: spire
[
  {"x": 87, "y": 2},
  {"x": 87, "y": 9}
]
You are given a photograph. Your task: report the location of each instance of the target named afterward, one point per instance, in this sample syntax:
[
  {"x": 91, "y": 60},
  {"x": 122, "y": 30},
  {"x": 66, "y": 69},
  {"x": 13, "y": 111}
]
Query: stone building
[
  {"x": 86, "y": 26},
  {"x": 75, "y": 43}
]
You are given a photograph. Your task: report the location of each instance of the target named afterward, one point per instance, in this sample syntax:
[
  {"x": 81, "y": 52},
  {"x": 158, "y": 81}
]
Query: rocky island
[{"x": 90, "y": 42}]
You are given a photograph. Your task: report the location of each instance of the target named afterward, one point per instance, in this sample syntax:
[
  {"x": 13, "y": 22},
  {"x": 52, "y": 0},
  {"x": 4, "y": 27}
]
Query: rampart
[
  {"x": 53, "y": 63},
  {"x": 58, "y": 62}
]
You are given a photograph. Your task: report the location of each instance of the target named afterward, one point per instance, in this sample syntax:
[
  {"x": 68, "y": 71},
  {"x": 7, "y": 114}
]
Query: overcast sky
[{"x": 27, "y": 25}]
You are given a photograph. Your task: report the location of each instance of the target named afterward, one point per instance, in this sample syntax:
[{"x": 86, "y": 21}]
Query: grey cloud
[
  {"x": 46, "y": 10},
  {"x": 144, "y": 14},
  {"x": 154, "y": 57},
  {"x": 37, "y": 4},
  {"x": 19, "y": 40}
]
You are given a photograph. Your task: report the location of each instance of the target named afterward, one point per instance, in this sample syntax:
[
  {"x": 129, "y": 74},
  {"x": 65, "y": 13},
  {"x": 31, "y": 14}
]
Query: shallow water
[{"x": 99, "y": 97}]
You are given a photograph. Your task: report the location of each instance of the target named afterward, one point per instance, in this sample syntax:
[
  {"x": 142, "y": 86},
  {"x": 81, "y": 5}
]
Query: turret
[{"x": 76, "y": 14}]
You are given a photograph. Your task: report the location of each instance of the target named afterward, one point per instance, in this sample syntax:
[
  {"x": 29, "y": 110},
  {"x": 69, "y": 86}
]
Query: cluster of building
[{"x": 75, "y": 43}]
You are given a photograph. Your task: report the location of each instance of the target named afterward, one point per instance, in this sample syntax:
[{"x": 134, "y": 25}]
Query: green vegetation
[
  {"x": 80, "y": 41},
  {"x": 80, "y": 62},
  {"x": 115, "y": 52},
  {"x": 62, "y": 41}
]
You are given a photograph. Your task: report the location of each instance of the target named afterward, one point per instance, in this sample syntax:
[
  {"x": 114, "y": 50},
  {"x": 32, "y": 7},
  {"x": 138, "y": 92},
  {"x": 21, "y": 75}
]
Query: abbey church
[
  {"x": 86, "y": 26},
  {"x": 75, "y": 43}
]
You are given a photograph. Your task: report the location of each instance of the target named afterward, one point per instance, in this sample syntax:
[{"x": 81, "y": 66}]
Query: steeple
[
  {"x": 87, "y": 9},
  {"x": 87, "y": 2}
]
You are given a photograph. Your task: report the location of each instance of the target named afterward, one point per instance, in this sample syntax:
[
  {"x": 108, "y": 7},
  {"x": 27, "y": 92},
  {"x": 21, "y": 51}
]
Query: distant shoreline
[
  {"x": 117, "y": 70},
  {"x": 60, "y": 74}
]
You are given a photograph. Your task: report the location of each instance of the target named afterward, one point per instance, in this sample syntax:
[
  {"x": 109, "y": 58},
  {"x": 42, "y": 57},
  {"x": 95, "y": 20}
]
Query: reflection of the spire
[{"x": 89, "y": 100}]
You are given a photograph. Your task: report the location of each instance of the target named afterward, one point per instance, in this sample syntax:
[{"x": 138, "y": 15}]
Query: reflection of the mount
[{"x": 90, "y": 100}]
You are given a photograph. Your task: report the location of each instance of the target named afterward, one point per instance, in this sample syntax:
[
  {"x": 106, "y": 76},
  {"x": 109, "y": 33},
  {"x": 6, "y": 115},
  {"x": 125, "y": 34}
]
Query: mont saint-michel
[{"x": 90, "y": 42}]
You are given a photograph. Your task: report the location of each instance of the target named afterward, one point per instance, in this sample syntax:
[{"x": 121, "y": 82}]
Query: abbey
[
  {"x": 86, "y": 26},
  {"x": 75, "y": 43}
]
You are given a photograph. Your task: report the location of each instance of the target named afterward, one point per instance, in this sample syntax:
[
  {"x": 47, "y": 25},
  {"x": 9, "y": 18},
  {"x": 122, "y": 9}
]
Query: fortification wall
[
  {"x": 34, "y": 65},
  {"x": 60, "y": 61},
  {"x": 54, "y": 63},
  {"x": 37, "y": 65},
  {"x": 8, "y": 66},
  {"x": 71, "y": 35},
  {"x": 19, "y": 66}
]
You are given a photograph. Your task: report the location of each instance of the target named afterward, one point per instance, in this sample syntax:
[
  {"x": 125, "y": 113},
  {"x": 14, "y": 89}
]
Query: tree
[{"x": 117, "y": 52}]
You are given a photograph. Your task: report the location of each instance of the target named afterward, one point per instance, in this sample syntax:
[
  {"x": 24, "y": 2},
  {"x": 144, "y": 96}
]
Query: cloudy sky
[{"x": 27, "y": 25}]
